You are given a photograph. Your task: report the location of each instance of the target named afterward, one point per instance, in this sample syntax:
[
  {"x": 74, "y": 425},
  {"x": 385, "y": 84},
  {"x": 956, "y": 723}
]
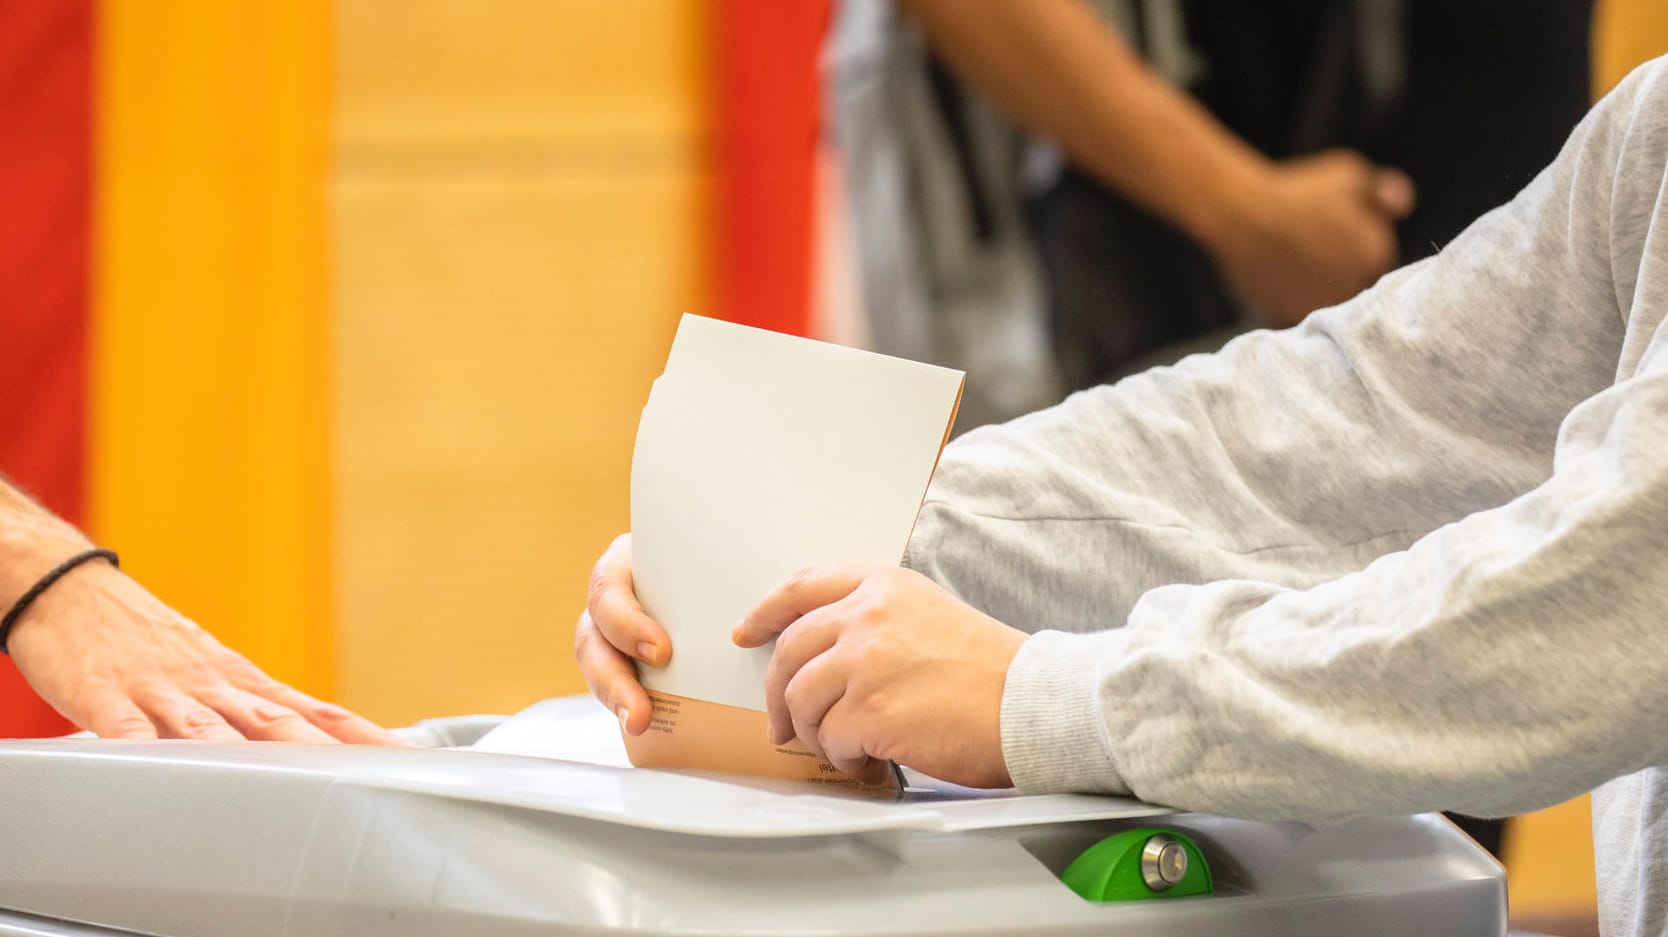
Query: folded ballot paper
[{"x": 759, "y": 454}]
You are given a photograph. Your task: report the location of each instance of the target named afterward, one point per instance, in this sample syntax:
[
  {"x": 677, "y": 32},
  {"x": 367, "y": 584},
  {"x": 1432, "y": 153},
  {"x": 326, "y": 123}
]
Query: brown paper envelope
[{"x": 691, "y": 733}]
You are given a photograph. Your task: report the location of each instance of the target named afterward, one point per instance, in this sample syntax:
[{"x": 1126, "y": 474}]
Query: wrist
[
  {"x": 1227, "y": 210},
  {"x": 30, "y": 546},
  {"x": 36, "y": 602}
]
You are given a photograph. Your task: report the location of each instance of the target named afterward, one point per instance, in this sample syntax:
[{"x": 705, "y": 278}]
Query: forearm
[
  {"x": 1298, "y": 456},
  {"x": 1289, "y": 458},
  {"x": 32, "y": 541},
  {"x": 1057, "y": 68},
  {"x": 1502, "y": 663}
]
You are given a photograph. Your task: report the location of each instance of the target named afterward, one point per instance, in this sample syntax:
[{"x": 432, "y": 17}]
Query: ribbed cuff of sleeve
[{"x": 1054, "y": 737}]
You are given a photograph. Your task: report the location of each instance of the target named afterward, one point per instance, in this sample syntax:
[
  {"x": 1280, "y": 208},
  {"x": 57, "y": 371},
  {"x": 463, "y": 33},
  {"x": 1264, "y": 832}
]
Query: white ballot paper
[{"x": 759, "y": 454}]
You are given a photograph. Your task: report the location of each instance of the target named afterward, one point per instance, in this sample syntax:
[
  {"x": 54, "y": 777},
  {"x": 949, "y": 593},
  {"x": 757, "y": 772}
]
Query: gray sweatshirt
[{"x": 1410, "y": 555}]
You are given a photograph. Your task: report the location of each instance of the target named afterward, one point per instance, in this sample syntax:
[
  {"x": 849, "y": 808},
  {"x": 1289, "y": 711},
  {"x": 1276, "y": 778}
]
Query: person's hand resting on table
[
  {"x": 112, "y": 658},
  {"x": 873, "y": 664}
]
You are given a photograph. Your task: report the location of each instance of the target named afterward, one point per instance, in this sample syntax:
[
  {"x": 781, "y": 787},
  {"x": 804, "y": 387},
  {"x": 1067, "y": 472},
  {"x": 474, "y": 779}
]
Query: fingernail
[
  {"x": 625, "y": 716},
  {"x": 648, "y": 653}
]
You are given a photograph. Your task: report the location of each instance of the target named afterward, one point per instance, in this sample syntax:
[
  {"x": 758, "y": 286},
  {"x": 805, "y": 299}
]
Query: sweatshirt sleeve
[
  {"x": 1295, "y": 457},
  {"x": 1404, "y": 557},
  {"x": 1503, "y": 663}
]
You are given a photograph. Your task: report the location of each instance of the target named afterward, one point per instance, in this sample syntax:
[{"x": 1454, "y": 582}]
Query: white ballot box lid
[{"x": 511, "y": 827}]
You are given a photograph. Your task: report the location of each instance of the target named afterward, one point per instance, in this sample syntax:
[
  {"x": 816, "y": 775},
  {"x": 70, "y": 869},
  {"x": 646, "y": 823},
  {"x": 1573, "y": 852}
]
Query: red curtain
[
  {"x": 45, "y": 188},
  {"x": 767, "y": 115}
]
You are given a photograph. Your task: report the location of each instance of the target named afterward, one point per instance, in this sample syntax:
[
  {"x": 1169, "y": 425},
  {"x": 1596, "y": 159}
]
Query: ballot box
[{"x": 532, "y": 825}]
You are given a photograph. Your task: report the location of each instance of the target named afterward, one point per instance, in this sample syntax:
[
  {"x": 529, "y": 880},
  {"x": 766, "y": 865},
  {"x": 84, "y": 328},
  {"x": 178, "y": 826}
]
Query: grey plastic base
[{"x": 195, "y": 840}]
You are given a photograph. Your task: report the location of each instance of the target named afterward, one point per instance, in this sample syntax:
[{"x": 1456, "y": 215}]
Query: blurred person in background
[
  {"x": 1144, "y": 222},
  {"x": 112, "y": 658}
]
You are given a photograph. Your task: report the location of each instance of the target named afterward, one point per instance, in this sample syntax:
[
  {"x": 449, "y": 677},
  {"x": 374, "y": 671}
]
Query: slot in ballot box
[{"x": 461, "y": 836}]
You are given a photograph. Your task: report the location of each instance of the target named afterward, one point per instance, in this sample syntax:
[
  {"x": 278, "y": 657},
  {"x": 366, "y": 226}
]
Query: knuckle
[
  {"x": 787, "y": 642},
  {"x": 596, "y": 587},
  {"x": 200, "y": 721},
  {"x": 809, "y": 735},
  {"x": 887, "y": 750},
  {"x": 218, "y": 697},
  {"x": 329, "y": 714},
  {"x": 777, "y": 700},
  {"x": 875, "y": 705},
  {"x": 267, "y": 715},
  {"x": 603, "y": 580},
  {"x": 194, "y": 674},
  {"x": 147, "y": 691},
  {"x": 793, "y": 696},
  {"x": 612, "y": 615},
  {"x": 870, "y": 610},
  {"x": 132, "y": 725},
  {"x": 800, "y": 579}
]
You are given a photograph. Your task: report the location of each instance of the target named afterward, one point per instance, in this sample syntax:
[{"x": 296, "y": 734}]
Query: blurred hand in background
[{"x": 1313, "y": 232}]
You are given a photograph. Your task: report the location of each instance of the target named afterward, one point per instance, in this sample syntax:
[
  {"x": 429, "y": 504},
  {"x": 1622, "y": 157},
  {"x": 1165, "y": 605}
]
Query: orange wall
[
  {"x": 1626, "y": 33},
  {"x": 519, "y": 214},
  {"x": 208, "y": 462},
  {"x": 380, "y": 287}
]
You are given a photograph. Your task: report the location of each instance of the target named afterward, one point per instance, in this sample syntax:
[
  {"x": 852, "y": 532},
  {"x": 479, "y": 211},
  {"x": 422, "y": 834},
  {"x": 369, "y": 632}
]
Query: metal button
[{"x": 1163, "y": 862}]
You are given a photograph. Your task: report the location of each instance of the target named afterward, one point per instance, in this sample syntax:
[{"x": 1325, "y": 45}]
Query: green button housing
[{"x": 1110, "y": 870}]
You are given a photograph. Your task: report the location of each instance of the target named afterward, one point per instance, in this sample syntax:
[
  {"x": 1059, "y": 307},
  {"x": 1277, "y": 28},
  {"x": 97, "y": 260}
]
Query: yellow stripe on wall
[
  {"x": 518, "y": 212},
  {"x": 1626, "y": 33},
  {"x": 208, "y": 463},
  {"x": 1549, "y": 865}
]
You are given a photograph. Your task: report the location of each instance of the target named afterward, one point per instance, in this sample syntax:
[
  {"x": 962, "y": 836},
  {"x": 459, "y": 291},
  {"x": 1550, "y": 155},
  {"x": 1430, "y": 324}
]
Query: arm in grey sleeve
[
  {"x": 1502, "y": 662},
  {"x": 1295, "y": 457}
]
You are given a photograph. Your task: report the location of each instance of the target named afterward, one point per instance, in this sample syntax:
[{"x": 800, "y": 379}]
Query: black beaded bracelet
[{"x": 45, "y": 583}]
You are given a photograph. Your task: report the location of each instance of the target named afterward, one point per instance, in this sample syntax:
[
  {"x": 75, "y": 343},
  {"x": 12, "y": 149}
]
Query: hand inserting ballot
[
  {"x": 877, "y": 664},
  {"x": 611, "y": 633}
]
